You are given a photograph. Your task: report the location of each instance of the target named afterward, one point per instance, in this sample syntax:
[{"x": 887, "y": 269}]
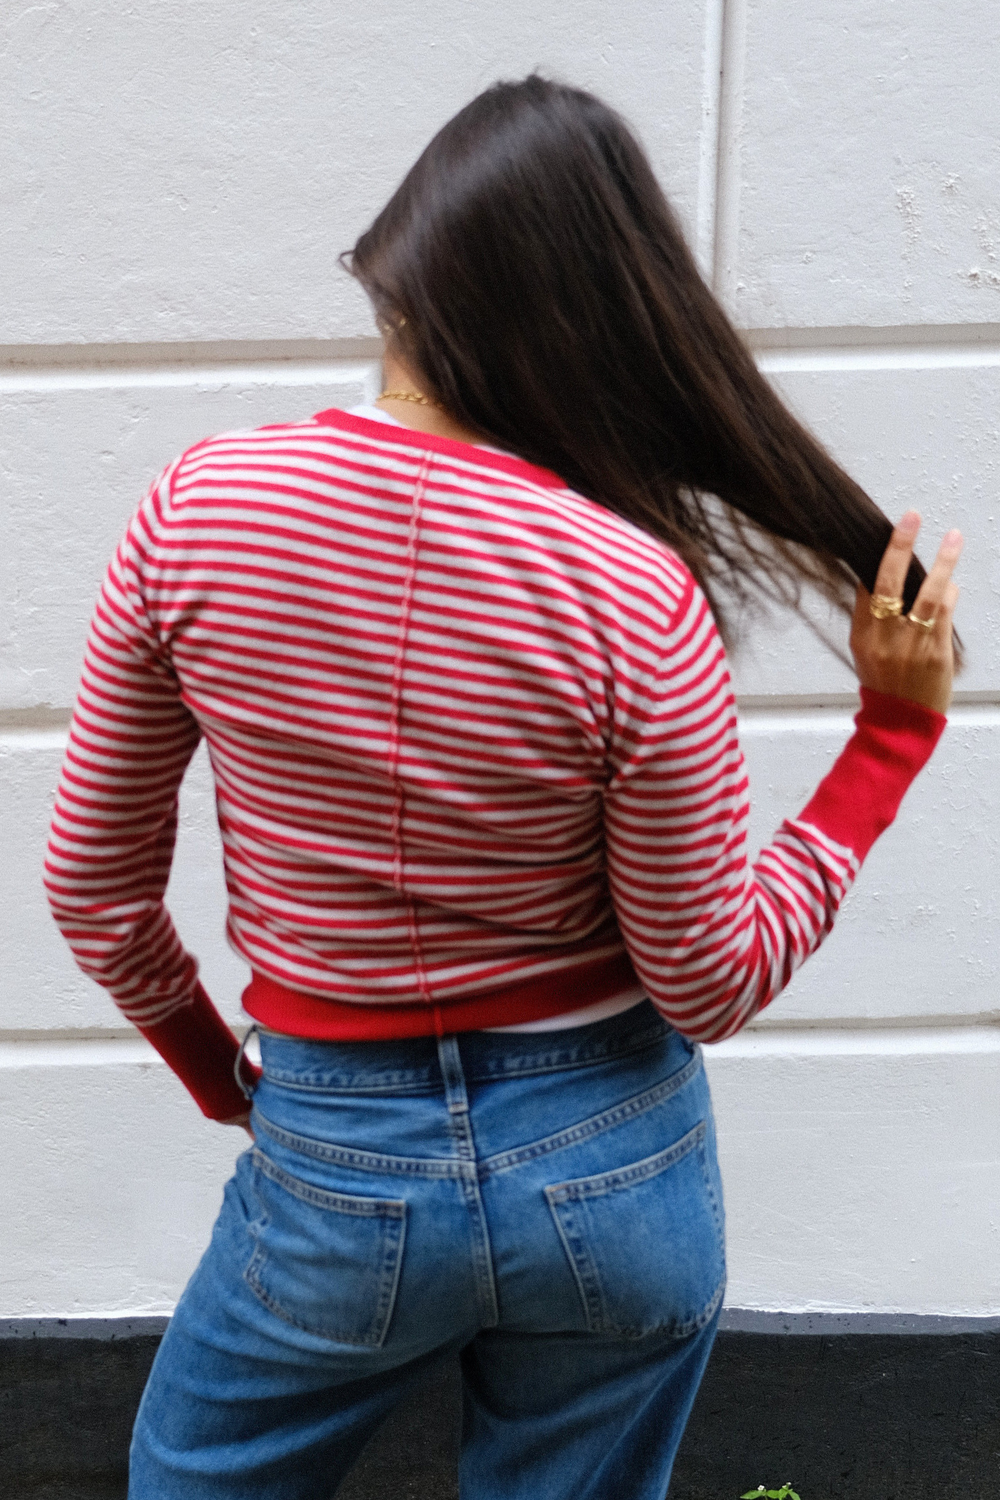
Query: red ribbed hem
[{"x": 328, "y": 1020}]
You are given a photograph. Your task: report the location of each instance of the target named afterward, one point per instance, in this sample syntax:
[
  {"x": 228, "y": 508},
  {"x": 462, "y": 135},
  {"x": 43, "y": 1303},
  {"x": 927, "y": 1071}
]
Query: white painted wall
[{"x": 178, "y": 181}]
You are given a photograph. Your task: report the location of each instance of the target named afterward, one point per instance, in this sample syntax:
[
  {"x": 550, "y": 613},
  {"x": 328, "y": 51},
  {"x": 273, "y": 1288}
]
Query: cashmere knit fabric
[{"x": 475, "y": 751}]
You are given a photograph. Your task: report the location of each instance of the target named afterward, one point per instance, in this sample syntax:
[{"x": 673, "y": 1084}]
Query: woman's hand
[{"x": 894, "y": 655}]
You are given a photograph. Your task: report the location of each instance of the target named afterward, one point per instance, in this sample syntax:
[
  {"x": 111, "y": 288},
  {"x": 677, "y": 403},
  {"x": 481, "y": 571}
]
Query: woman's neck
[{"x": 432, "y": 419}]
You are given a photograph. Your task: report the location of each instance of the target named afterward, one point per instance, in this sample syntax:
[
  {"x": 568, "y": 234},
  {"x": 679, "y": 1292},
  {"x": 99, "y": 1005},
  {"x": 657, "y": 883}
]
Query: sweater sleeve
[
  {"x": 713, "y": 937},
  {"x": 114, "y": 824}
]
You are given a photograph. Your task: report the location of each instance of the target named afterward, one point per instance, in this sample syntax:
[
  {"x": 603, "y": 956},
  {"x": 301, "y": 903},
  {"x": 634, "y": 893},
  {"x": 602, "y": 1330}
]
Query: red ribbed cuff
[
  {"x": 892, "y": 742},
  {"x": 199, "y": 1047}
]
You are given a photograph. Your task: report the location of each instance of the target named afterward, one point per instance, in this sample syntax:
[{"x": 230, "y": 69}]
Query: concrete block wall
[{"x": 180, "y": 180}]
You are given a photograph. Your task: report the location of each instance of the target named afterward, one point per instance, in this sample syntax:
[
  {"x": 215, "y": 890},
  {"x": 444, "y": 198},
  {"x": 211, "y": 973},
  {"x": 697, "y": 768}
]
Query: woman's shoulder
[
  {"x": 520, "y": 502},
  {"x": 631, "y": 559},
  {"x": 241, "y": 444}
]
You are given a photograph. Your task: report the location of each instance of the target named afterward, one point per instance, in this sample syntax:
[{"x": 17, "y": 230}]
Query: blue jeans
[{"x": 547, "y": 1205}]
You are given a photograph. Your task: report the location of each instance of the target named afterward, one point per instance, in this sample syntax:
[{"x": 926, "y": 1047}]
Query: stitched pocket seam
[
  {"x": 341, "y": 1203},
  {"x": 623, "y": 1177},
  {"x": 391, "y": 1211},
  {"x": 365, "y": 1161},
  {"x": 505, "y": 1161},
  {"x": 608, "y": 1119},
  {"x": 574, "y": 1240}
]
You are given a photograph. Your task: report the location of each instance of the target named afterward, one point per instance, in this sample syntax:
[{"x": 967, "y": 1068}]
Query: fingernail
[
  {"x": 909, "y": 521},
  {"x": 953, "y": 537}
]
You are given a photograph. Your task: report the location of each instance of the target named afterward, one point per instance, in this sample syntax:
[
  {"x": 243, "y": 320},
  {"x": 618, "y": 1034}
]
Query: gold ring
[
  {"x": 926, "y": 624},
  {"x": 885, "y": 606}
]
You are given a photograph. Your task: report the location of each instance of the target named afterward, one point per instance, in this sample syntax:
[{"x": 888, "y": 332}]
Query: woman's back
[
  {"x": 418, "y": 666},
  {"x": 474, "y": 745}
]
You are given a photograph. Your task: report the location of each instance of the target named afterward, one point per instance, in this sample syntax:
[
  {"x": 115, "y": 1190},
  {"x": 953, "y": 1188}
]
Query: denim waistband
[{"x": 412, "y": 1063}]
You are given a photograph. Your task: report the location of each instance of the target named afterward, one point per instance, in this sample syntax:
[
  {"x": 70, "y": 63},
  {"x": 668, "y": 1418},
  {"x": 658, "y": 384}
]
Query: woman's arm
[
  {"x": 114, "y": 825},
  {"x": 712, "y": 937}
]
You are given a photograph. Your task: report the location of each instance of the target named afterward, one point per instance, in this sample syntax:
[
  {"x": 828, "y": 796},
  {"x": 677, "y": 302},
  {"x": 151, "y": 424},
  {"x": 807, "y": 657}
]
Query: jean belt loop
[{"x": 238, "y": 1064}]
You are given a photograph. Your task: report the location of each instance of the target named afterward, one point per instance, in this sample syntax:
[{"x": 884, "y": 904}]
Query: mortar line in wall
[
  {"x": 159, "y": 353},
  {"x": 708, "y": 138},
  {"x": 727, "y": 183},
  {"x": 42, "y": 719},
  {"x": 116, "y": 1325},
  {"x": 859, "y": 336},
  {"x": 906, "y": 1038},
  {"x": 31, "y": 1036},
  {"x": 758, "y": 724},
  {"x": 849, "y": 702},
  {"x": 51, "y": 723},
  {"x": 40, "y": 367},
  {"x": 931, "y": 356},
  {"x": 895, "y": 1035},
  {"x": 285, "y": 373},
  {"x": 291, "y": 373},
  {"x": 795, "y": 1025}
]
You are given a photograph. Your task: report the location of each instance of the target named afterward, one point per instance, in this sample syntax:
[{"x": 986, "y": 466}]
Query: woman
[{"x": 458, "y": 660}]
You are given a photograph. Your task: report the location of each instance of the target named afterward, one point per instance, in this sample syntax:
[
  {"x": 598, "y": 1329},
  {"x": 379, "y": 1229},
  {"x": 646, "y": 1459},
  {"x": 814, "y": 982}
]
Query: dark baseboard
[{"x": 841, "y": 1406}]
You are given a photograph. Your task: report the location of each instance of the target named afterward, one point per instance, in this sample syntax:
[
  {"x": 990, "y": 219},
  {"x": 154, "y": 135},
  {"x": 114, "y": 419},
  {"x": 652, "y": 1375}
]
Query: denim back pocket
[
  {"x": 646, "y": 1241},
  {"x": 326, "y": 1262}
]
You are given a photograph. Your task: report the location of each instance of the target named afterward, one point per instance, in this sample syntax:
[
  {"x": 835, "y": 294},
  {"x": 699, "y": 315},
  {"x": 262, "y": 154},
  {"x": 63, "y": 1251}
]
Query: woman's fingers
[
  {"x": 931, "y": 600},
  {"x": 903, "y": 656},
  {"x": 897, "y": 556}
]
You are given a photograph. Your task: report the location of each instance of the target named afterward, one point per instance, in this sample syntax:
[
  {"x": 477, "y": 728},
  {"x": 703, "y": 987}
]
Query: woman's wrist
[
  {"x": 892, "y": 710},
  {"x": 893, "y": 740}
]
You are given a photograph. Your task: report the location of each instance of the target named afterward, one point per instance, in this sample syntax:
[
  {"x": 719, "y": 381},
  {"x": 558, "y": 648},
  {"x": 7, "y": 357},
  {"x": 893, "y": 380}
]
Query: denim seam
[
  {"x": 443, "y": 1167},
  {"x": 367, "y": 1161},
  {"x": 326, "y": 1083},
  {"x": 629, "y": 1109},
  {"x": 391, "y": 1211},
  {"x": 592, "y": 1054},
  {"x": 460, "y": 1125},
  {"x": 388, "y": 1091},
  {"x": 580, "y": 1263},
  {"x": 342, "y": 1203},
  {"x": 561, "y": 1197},
  {"x": 556, "y": 1061},
  {"x": 707, "y": 1313},
  {"x": 602, "y": 1183}
]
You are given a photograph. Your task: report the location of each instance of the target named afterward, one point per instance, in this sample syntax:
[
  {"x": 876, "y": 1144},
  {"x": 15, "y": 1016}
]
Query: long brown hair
[{"x": 531, "y": 271}]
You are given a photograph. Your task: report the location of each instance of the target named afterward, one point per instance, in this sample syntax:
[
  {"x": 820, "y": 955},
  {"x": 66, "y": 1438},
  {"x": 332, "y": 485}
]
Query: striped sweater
[{"x": 475, "y": 751}]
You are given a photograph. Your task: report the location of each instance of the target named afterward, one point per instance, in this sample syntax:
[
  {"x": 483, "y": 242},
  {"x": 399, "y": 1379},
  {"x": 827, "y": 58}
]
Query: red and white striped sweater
[{"x": 475, "y": 752}]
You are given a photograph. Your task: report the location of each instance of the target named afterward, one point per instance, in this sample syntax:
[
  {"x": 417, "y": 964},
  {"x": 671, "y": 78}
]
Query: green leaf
[{"x": 753, "y": 1494}]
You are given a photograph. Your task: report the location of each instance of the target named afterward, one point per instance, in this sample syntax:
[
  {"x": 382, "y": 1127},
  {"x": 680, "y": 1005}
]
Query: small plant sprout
[{"x": 785, "y": 1493}]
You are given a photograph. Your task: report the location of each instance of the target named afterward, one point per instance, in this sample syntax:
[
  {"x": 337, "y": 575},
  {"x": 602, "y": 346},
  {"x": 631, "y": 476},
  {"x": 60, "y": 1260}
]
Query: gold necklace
[{"x": 416, "y": 396}]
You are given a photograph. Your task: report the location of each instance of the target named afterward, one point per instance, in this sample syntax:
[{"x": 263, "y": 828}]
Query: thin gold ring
[
  {"x": 885, "y": 606},
  {"x": 924, "y": 624}
]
